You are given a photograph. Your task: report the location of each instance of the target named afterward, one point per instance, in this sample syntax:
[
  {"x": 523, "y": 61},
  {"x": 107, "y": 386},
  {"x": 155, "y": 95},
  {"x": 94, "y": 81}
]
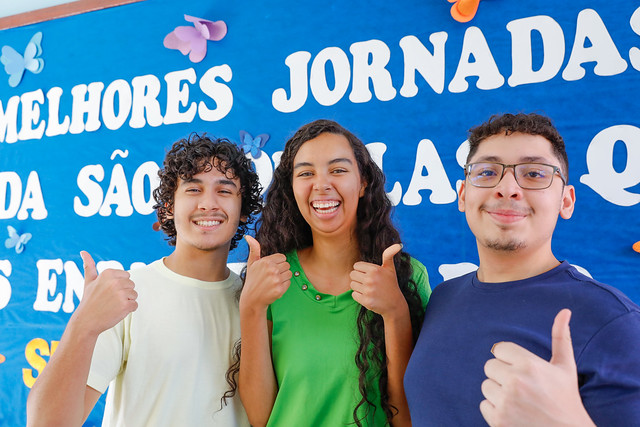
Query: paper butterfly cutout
[
  {"x": 16, "y": 240},
  {"x": 253, "y": 145},
  {"x": 15, "y": 64},
  {"x": 464, "y": 10},
  {"x": 193, "y": 40}
]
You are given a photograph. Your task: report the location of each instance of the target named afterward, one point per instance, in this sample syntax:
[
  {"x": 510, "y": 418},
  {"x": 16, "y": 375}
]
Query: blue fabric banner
[{"x": 84, "y": 131}]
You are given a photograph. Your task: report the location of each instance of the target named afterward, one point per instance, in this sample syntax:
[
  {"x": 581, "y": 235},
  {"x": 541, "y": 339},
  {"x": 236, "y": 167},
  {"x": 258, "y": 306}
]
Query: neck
[
  {"x": 208, "y": 266},
  {"x": 335, "y": 254},
  {"x": 508, "y": 266}
]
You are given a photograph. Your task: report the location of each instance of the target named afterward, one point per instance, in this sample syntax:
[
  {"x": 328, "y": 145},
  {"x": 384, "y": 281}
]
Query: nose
[
  {"x": 322, "y": 183},
  {"x": 508, "y": 186},
  {"x": 208, "y": 201}
]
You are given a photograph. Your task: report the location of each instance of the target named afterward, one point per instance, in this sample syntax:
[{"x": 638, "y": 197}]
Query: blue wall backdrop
[{"x": 82, "y": 138}]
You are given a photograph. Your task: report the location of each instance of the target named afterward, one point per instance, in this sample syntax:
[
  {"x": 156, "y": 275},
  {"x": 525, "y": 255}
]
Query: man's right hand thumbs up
[
  {"x": 522, "y": 389},
  {"x": 108, "y": 297},
  {"x": 268, "y": 278}
]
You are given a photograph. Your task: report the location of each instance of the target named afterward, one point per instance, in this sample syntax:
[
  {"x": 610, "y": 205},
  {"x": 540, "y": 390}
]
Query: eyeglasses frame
[{"x": 556, "y": 171}]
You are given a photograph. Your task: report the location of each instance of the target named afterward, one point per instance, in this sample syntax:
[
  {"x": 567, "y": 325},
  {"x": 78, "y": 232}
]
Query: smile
[
  {"x": 507, "y": 215},
  {"x": 325, "y": 206},
  {"x": 208, "y": 223}
]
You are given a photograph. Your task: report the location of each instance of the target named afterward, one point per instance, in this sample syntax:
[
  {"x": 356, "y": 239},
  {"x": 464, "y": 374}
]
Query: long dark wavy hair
[
  {"x": 190, "y": 156},
  {"x": 282, "y": 228}
]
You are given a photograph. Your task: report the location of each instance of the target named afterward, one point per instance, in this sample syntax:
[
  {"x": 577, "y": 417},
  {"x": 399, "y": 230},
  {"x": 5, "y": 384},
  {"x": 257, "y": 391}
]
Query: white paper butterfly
[
  {"x": 16, "y": 240},
  {"x": 16, "y": 64}
]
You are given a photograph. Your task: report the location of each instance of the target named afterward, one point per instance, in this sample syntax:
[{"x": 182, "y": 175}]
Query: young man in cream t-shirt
[{"x": 161, "y": 336}]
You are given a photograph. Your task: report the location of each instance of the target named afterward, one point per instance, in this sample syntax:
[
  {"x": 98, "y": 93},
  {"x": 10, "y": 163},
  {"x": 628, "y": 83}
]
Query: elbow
[{"x": 258, "y": 414}]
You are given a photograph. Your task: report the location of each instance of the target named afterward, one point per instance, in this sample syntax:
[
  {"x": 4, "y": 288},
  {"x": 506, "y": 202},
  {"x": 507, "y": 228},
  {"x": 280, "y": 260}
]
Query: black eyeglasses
[{"x": 530, "y": 176}]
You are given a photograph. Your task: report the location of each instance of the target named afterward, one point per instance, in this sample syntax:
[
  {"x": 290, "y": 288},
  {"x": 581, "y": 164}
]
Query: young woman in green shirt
[{"x": 331, "y": 305}]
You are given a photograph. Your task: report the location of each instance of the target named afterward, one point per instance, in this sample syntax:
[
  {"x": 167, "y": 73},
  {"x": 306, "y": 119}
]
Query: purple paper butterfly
[
  {"x": 252, "y": 145},
  {"x": 193, "y": 40}
]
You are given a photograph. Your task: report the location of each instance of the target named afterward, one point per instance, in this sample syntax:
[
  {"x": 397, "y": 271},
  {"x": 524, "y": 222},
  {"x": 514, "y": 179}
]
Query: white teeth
[
  {"x": 325, "y": 205},
  {"x": 207, "y": 223}
]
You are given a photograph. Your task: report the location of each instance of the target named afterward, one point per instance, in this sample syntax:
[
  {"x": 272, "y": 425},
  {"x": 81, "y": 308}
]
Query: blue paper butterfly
[
  {"x": 15, "y": 64},
  {"x": 252, "y": 145},
  {"x": 16, "y": 240}
]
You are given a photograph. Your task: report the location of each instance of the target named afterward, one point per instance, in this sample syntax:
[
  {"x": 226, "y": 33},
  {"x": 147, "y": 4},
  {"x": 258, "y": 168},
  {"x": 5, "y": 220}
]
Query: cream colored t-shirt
[{"x": 165, "y": 363}]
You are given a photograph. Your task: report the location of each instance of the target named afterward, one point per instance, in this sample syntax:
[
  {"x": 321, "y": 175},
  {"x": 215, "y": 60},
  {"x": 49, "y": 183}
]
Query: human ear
[
  {"x": 363, "y": 185},
  {"x": 461, "y": 196},
  {"x": 168, "y": 211},
  {"x": 568, "y": 202}
]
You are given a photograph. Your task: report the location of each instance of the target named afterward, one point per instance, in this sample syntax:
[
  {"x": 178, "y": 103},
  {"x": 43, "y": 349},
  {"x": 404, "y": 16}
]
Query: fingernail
[{"x": 493, "y": 347}]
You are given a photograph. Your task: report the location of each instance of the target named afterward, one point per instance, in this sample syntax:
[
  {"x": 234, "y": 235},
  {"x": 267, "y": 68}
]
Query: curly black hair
[
  {"x": 195, "y": 154},
  {"x": 282, "y": 228},
  {"x": 530, "y": 124}
]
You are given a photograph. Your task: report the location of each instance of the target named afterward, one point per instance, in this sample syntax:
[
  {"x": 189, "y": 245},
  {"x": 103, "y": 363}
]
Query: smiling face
[
  {"x": 507, "y": 218},
  {"x": 327, "y": 184},
  {"x": 206, "y": 211}
]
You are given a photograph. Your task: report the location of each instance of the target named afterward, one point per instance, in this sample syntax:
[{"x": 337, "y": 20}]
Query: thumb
[
  {"x": 389, "y": 253},
  {"x": 90, "y": 272},
  {"x": 254, "y": 250},
  {"x": 561, "y": 347}
]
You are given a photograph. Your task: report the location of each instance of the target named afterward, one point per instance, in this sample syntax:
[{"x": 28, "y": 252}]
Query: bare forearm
[
  {"x": 256, "y": 383},
  {"x": 58, "y": 395},
  {"x": 399, "y": 344}
]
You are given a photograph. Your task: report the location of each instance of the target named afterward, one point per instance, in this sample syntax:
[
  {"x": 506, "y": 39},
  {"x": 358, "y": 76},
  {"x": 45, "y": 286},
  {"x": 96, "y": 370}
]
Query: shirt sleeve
[
  {"x": 609, "y": 372},
  {"x": 108, "y": 356},
  {"x": 421, "y": 279}
]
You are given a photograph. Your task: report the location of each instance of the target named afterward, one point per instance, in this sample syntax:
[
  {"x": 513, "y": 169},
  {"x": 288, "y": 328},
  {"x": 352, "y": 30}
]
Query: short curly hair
[
  {"x": 195, "y": 154},
  {"x": 530, "y": 124}
]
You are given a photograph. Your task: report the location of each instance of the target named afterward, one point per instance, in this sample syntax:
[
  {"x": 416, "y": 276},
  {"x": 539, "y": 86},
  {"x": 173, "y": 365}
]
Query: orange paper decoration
[{"x": 464, "y": 10}]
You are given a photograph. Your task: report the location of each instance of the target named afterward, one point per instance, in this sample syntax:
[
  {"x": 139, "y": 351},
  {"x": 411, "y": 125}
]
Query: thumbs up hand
[
  {"x": 268, "y": 278},
  {"x": 376, "y": 286},
  {"x": 522, "y": 389},
  {"x": 107, "y": 297}
]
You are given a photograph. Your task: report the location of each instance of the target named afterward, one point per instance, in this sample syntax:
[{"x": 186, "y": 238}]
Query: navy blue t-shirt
[{"x": 465, "y": 317}]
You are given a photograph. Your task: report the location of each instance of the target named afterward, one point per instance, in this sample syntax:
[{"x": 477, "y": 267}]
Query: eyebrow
[
  {"x": 221, "y": 181},
  {"x": 331, "y": 162},
  {"x": 526, "y": 159}
]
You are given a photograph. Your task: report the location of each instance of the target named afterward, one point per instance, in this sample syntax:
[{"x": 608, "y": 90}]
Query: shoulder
[
  {"x": 145, "y": 271},
  {"x": 420, "y": 277},
  {"x": 419, "y": 270},
  {"x": 591, "y": 291}
]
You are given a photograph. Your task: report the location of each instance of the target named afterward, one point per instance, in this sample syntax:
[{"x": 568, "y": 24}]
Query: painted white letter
[
  {"x": 90, "y": 106},
  {"x": 145, "y": 100},
  {"x": 219, "y": 92},
  {"x": 418, "y": 58},
  {"x": 602, "y": 177},
  {"x": 363, "y": 70},
  {"x": 177, "y": 96},
  {"x": 318, "y": 77},
  {"x": 297, "y": 63},
  {"x": 483, "y": 66},
  {"x": 603, "y": 50},
  {"x": 521, "y": 52},
  {"x": 436, "y": 180},
  {"x": 31, "y": 115},
  {"x": 112, "y": 120}
]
